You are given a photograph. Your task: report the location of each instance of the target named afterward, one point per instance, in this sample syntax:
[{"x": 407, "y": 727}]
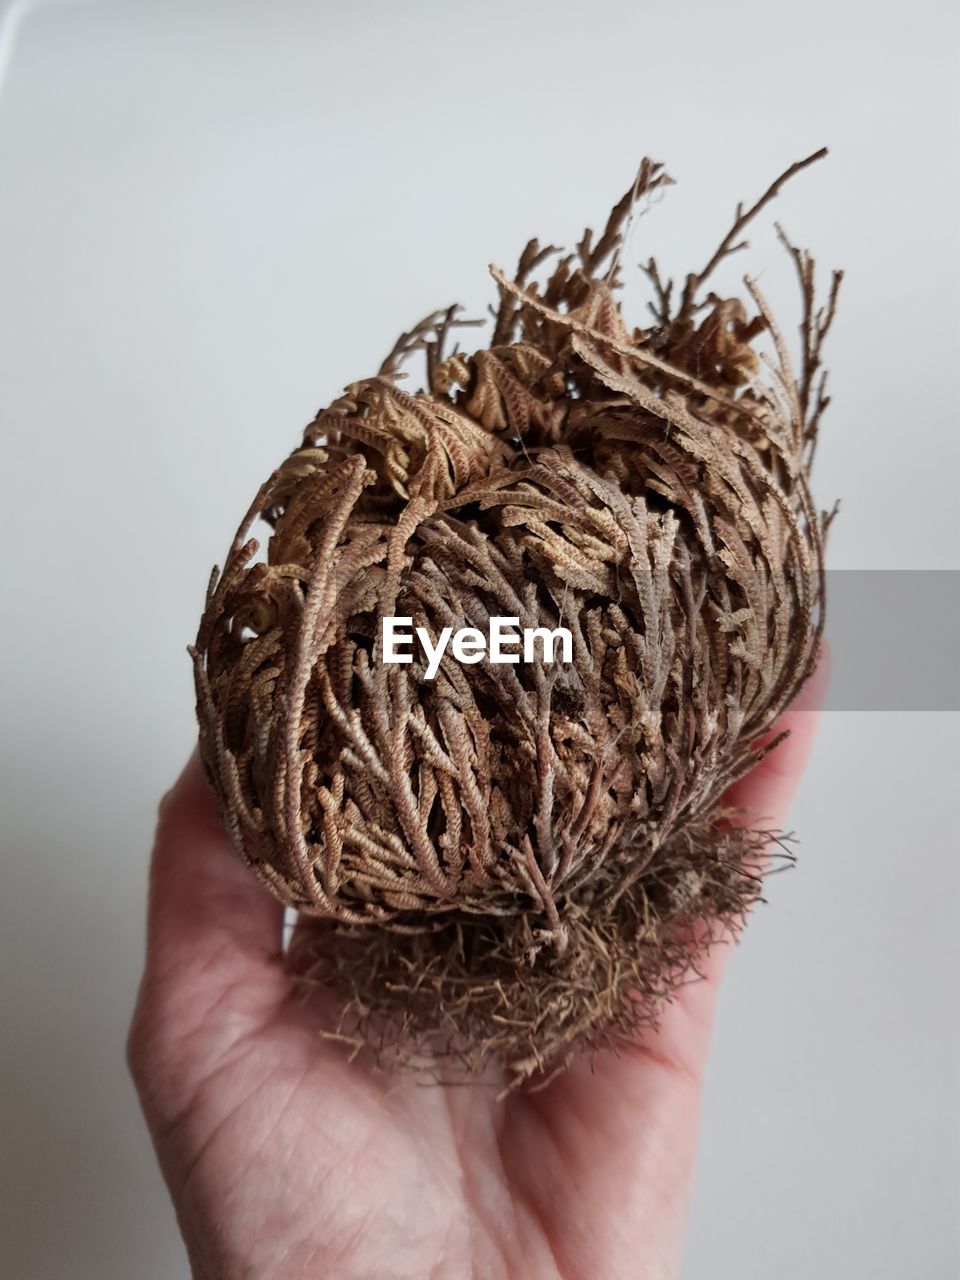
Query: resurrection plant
[{"x": 515, "y": 861}]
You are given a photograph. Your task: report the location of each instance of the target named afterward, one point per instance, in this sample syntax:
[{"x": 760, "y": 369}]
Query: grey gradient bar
[{"x": 893, "y": 636}]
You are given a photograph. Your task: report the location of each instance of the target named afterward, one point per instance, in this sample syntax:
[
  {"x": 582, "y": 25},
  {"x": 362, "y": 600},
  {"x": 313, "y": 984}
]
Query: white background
[{"x": 212, "y": 216}]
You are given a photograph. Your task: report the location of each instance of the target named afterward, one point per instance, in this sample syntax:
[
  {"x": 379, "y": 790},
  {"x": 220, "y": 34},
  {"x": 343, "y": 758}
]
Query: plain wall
[{"x": 213, "y": 216}]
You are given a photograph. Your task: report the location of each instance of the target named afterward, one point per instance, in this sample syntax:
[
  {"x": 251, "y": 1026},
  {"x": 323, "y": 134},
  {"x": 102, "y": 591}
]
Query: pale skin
[{"x": 285, "y": 1161}]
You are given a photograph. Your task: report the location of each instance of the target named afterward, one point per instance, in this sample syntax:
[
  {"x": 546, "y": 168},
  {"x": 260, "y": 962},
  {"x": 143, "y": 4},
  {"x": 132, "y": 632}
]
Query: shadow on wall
[{"x": 80, "y": 1186}]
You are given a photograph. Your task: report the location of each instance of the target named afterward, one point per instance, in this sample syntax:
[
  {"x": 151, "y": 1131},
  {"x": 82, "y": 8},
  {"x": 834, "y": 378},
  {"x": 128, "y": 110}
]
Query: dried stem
[{"x": 730, "y": 242}]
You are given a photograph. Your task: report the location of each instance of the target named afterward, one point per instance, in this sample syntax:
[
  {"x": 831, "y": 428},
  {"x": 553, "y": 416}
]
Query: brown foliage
[{"x": 515, "y": 860}]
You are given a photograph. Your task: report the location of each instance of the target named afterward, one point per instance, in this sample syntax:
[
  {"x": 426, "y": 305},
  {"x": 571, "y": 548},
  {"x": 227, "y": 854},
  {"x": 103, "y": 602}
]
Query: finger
[
  {"x": 206, "y": 910},
  {"x": 766, "y": 792},
  {"x": 211, "y": 977},
  {"x": 764, "y": 796},
  {"x": 647, "y": 1095}
]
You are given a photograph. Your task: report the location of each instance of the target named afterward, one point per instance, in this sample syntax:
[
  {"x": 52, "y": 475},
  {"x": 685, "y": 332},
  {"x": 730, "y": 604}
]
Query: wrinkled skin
[{"x": 285, "y": 1160}]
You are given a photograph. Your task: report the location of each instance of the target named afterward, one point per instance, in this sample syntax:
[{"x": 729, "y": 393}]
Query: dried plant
[{"x": 515, "y": 861}]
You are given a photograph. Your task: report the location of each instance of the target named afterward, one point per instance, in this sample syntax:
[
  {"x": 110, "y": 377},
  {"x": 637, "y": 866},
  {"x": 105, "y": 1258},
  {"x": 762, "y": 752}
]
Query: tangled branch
[{"x": 512, "y": 860}]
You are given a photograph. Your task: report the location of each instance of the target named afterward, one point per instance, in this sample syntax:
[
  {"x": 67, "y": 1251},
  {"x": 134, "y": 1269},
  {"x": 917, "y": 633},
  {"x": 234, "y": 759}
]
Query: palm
[{"x": 284, "y": 1158}]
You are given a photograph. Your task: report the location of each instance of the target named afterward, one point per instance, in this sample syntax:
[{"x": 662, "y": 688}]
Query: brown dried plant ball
[{"x": 514, "y": 861}]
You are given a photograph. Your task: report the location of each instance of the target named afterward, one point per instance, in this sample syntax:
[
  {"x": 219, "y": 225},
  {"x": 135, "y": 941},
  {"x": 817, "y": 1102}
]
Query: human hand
[{"x": 284, "y": 1159}]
